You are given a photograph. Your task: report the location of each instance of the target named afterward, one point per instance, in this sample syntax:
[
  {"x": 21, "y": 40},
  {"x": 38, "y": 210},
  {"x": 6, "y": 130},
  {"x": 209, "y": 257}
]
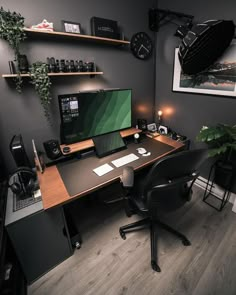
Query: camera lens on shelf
[
  {"x": 89, "y": 66},
  {"x": 62, "y": 65},
  {"x": 72, "y": 66},
  {"x": 81, "y": 66}
]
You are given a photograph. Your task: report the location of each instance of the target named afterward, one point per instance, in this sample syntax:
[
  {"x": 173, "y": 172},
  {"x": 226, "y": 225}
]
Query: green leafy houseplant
[
  {"x": 12, "y": 30},
  {"x": 41, "y": 81},
  {"x": 221, "y": 140}
]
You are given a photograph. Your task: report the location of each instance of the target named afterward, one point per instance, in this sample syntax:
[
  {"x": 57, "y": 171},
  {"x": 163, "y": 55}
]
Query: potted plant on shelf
[
  {"x": 221, "y": 140},
  {"x": 41, "y": 81},
  {"x": 12, "y": 30}
]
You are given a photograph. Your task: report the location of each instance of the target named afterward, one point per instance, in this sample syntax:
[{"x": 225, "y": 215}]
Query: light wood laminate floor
[{"x": 108, "y": 265}]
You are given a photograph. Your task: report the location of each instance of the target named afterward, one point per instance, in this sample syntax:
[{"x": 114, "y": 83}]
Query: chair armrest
[{"x": 127, "y": 177}]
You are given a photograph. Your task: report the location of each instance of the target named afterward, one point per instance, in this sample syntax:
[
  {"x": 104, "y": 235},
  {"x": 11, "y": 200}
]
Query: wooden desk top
[{"x": 54, "y": 192}]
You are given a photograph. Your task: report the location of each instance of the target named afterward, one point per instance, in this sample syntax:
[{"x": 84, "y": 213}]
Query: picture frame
[
  {"x": 218, "y": 79},
  {"x": 71, "y": 27}
]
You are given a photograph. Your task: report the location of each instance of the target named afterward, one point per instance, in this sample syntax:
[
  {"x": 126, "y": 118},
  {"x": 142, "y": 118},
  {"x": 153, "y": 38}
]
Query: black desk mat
[{"x": 78, "y": 175}]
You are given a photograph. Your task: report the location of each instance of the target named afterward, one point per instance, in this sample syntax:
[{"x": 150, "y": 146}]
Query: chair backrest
[{"x": 169, "y": 181}]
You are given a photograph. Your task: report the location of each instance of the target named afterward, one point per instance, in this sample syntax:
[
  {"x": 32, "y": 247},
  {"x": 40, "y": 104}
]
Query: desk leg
[{"x": 75, "y": 236}]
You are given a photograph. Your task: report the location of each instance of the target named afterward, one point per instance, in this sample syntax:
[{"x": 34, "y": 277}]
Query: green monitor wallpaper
[{"x": 89, "y": 114}]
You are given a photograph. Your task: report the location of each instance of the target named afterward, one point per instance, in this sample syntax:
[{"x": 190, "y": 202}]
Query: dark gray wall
[
  {"x": 185, "y": 112},
  {"x": 22, "y": 113}
]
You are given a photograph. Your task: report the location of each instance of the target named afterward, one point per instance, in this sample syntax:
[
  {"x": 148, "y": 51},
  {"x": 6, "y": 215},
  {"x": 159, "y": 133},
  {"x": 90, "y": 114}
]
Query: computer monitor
[{"x": 88, "y": 114}]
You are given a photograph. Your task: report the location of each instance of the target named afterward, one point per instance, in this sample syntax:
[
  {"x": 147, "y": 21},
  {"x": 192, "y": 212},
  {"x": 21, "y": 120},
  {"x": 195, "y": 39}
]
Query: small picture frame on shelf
[{"x": 71, "y": 27}]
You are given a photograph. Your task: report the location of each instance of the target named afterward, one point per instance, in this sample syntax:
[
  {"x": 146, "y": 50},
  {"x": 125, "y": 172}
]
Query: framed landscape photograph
[
  {"x": 71, "y": 27},
  {"x": 218, "y": 79}
]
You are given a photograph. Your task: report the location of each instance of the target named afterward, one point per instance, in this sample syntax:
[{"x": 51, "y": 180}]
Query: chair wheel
[
  {"x": 155, "y": 266},
  {"x": 122, "y": 234},
  {"x": 186, "y": 242}
]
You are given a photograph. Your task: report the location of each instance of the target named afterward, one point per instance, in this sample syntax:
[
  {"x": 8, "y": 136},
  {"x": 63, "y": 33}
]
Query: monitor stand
[{"x": 108, "y": 144}]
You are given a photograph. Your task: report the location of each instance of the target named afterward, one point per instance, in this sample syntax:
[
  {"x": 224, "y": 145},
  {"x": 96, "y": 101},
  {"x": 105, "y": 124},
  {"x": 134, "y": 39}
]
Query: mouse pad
[{"x": 78, "y": 175}]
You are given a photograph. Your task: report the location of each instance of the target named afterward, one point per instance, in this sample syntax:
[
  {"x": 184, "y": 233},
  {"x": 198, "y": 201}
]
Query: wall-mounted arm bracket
[{"x": 160, "y": 17}]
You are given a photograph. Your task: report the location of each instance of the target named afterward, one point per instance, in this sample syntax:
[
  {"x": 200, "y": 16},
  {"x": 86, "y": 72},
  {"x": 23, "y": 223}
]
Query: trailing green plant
[
  {"x": 12, "y": 30},
  {"x": 221, "y": 140},
  {"x": 42, "y": 84}
]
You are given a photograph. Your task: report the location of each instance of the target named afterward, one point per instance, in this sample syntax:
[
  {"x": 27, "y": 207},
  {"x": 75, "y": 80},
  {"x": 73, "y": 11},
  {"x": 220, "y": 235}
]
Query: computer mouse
[
  {"x": 147, "y": 154},
  {"x": 141, "y": 151},
  {"x": 66, "y": 149}
]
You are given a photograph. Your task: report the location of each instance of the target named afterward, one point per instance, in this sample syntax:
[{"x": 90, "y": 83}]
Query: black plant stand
[{"x": 222, "y": 175}]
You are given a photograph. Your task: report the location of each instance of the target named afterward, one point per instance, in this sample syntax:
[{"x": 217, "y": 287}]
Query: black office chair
[{"x": 166, "y": 187}]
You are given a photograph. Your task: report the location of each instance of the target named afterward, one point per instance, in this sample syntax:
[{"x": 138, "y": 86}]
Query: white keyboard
[
  {"x": 125, "y": 160},
  {"x": 101, "y": 170}
]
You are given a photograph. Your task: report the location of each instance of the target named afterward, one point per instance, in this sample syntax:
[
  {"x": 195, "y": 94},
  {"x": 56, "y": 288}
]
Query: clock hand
[
  {"x": 142, "y": 46},
  {"x": 145, "y": 48}
]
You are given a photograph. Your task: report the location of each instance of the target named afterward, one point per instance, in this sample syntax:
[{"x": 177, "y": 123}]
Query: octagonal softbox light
[{"x": 204, "y": 44}]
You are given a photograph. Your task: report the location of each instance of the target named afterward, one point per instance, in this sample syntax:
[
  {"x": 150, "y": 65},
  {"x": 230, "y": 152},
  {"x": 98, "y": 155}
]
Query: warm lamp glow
[
  {"x": 159, "y": 113},
  {"x": 169, "y": 111},
  {"x": 142, "y": 109}
]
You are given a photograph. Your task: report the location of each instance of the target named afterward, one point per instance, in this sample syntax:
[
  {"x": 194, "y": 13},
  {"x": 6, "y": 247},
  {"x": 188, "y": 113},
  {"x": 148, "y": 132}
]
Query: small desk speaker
[{"x": 52, "y": 149}]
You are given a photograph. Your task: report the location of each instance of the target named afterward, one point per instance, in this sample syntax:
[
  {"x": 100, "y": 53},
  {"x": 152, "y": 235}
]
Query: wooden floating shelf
[
  {"x": 86, "y": 144},
  {"x": 56, "y": 74},
  {"x": 77, "y": 36}
]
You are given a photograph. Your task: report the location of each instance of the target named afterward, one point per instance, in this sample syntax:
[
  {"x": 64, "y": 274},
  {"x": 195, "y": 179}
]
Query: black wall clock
[{"x": 141, "y": 45}]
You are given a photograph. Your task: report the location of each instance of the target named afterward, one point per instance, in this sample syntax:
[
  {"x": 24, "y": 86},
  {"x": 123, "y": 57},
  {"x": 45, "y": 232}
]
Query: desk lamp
[{"x": 159, "y": 113}]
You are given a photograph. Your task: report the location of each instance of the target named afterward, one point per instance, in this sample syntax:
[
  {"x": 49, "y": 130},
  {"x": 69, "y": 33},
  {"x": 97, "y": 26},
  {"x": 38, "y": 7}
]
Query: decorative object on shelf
[
  {"x": 69, "y": 66},
  {"x": 221, "y": 140},
  {"x": 141, "y": 45},
  {"x": 102, "y": 27},
  {"x": 71, "y": 27},
  {"x": 163, "y": 129},
  {"x": 89, "y": 66},
  {"x": 142, "y": 124},
  {"x": 12, "y": 67},
  {"x": 218, "y": 79},
  {"x": 23, "y": 64},
  {"x": 152, "y": 127},
  {"x": 52, "y": 66},
  {"x": 43, "y": 26},
  {"x": 42, "y": 84},
  {"x": 12, "y": 30},
  {"x": 79, "y": 65}
]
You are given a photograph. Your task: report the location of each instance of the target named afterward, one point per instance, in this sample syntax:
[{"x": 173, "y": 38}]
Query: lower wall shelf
[{"x": 56, "y": 74}]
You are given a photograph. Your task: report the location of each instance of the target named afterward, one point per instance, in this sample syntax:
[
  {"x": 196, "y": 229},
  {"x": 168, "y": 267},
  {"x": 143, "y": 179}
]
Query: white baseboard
[{"x": 216, "y": 190}]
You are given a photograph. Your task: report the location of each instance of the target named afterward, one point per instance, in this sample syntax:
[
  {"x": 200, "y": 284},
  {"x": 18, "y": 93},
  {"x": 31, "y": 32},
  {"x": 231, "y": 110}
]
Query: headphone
[{"x": 25, "y": 181}]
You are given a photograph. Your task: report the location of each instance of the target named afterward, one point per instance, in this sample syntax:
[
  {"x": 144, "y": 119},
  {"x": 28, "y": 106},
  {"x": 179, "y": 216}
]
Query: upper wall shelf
[
  {"x": 77, "y": 36},
  {"x": 56, "y": 74}
]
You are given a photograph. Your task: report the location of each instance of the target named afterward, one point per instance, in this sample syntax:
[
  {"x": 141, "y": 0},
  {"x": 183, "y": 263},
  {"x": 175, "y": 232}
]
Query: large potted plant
[{"x": 221, "y": 140}]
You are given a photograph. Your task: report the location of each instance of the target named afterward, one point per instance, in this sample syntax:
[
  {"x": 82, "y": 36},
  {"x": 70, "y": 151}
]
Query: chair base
[{"x": 152, "y": 224}]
